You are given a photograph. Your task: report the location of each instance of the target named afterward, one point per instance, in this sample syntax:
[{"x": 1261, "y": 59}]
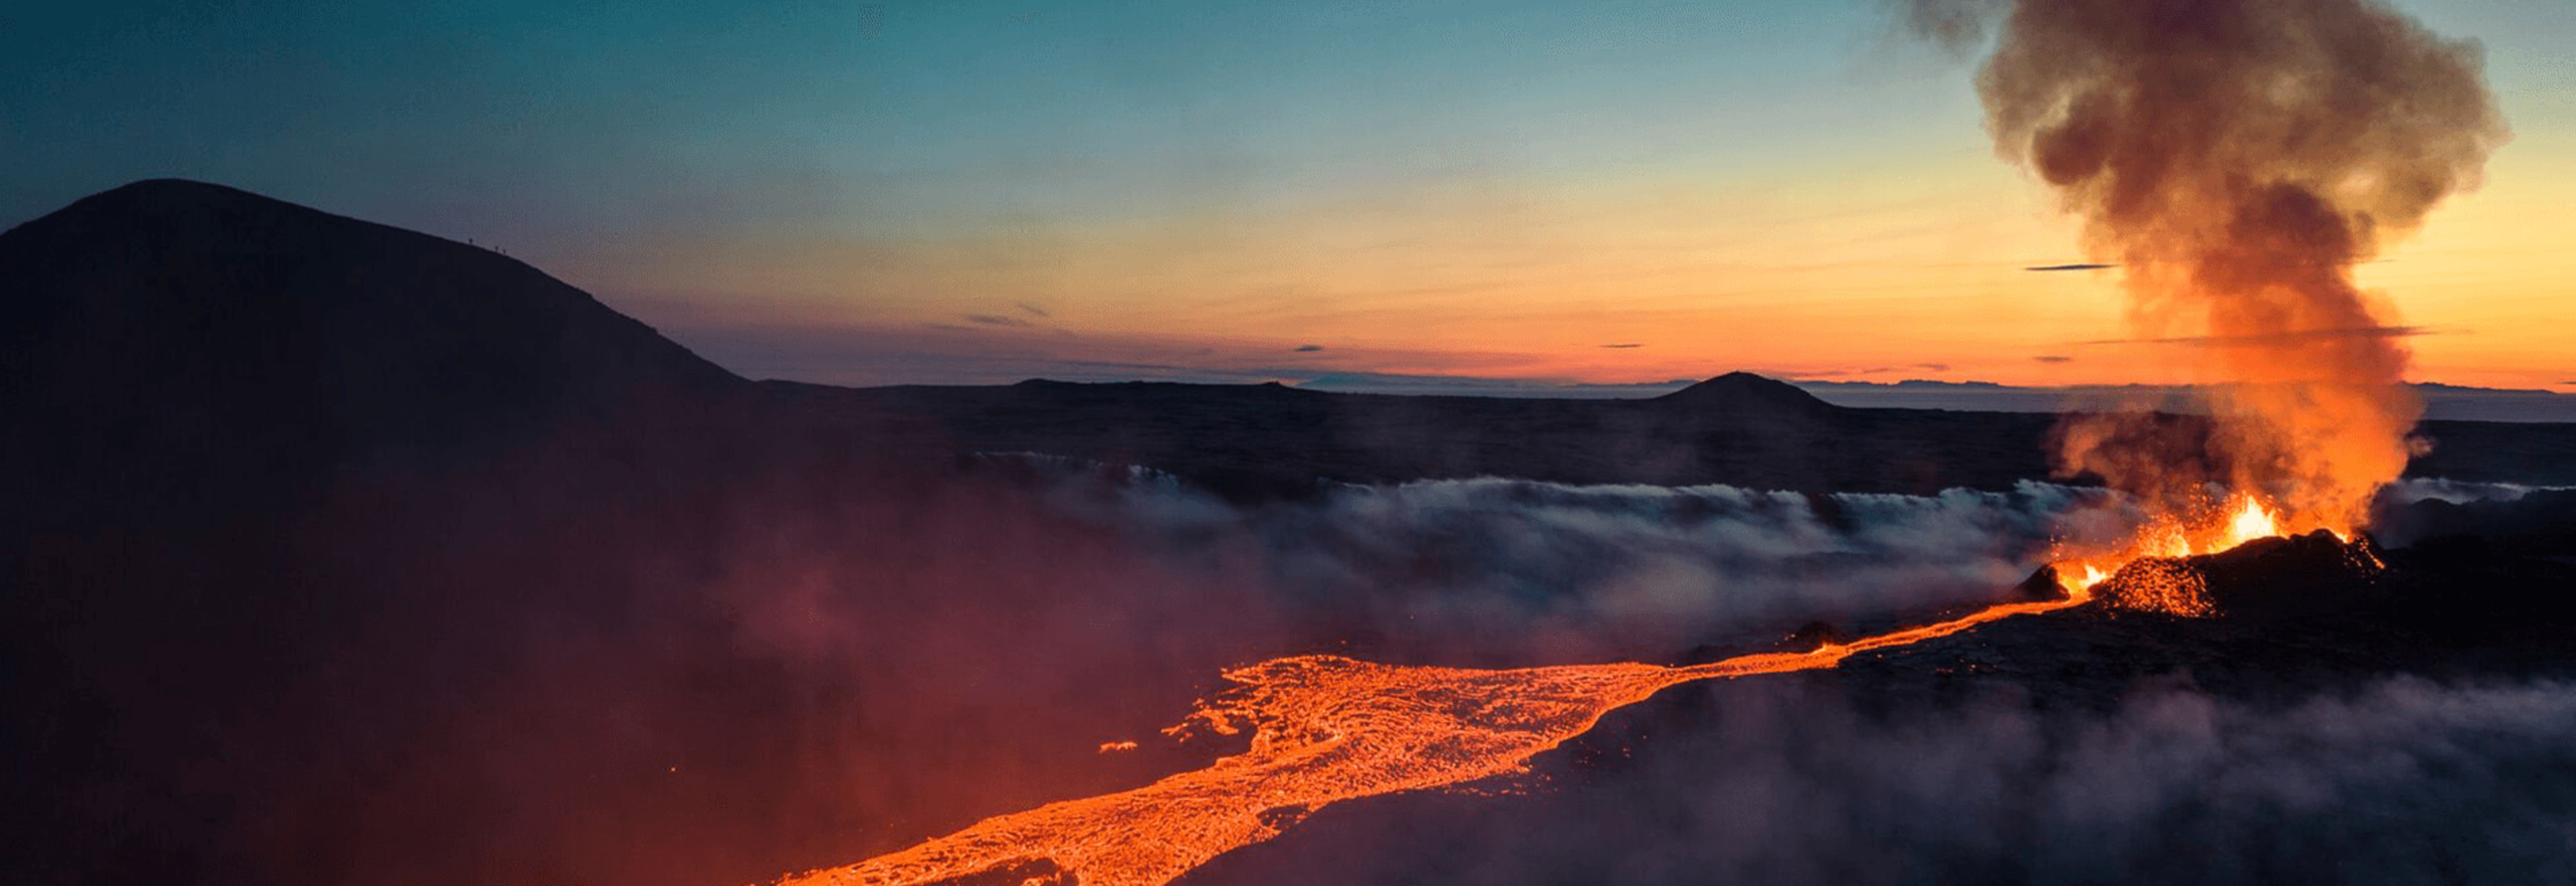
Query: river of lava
[{"x": 1327, "y": 729}]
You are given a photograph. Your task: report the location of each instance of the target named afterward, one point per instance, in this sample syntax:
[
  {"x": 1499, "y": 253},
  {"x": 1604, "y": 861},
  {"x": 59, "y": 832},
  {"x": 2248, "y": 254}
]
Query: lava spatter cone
[{"x": 2261, "y": 579}]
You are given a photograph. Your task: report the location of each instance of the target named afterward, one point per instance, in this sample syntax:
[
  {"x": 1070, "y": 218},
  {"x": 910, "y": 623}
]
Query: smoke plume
[{"x": 2236, "y": 158}]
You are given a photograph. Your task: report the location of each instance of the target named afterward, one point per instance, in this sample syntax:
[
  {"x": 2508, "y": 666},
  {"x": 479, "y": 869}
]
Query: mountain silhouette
[
  {"x": 337, "y": 554},
  {"x": 1743, "y": 393},
  {"x": 177, "y": 342},
  {"x": 180, "y": 348}
]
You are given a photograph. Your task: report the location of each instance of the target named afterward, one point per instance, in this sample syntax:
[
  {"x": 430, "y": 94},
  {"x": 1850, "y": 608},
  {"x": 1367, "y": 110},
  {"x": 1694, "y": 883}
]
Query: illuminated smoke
[{"x": 2237, "y": 157}]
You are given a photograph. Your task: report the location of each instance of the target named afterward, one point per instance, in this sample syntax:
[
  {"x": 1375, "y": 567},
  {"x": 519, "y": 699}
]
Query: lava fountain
[{"x": 2235, "y": 157}]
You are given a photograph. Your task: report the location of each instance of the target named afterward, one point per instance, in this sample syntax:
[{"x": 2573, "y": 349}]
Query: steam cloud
[
  {"x": 1789, "y": 781},
  {"x": 1800, "y": 779},
  {"x": 2236, "y": 157},
  {"x": 561, "y": 674},
  {"x": 1506, "y": 572}
]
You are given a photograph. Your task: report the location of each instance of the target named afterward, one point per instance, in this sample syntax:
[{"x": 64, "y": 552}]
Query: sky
[{"x": 964, "y": 193}]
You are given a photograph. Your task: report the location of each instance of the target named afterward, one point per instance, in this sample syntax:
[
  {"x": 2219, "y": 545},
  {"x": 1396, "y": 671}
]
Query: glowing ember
[
  {"x": 2149, "y": 569},
  {"x": 2159, "y": 585},
  {"x": 1327, "y": 729}
]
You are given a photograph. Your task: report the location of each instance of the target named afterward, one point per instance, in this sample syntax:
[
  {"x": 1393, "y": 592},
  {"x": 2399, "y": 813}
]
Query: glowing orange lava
[
  {"x": 1327, "y": 729},
  {"x": 2149, "y": 564},
  {"x": 2252, "y": 521}
]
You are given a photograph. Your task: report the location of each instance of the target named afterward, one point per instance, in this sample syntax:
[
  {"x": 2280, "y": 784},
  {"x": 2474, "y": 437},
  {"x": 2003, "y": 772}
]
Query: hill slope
[{"x": 176, "y": 340}]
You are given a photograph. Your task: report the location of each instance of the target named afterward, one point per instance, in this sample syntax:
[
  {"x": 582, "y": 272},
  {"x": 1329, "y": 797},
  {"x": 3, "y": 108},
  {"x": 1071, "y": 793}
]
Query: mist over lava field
[
  {"x": 616, "y": 616},
  {"x": 1130, "y": 444}
]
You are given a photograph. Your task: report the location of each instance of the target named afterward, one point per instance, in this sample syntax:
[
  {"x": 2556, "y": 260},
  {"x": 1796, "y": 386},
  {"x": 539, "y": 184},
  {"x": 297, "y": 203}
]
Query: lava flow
[
  {"x": 1327, "y": 729},
  {"x": 2236, "y": 158}
]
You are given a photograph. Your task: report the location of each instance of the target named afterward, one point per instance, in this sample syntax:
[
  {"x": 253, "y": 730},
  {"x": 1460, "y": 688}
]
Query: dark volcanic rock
[
  {"x": 2043, "y": 584},
  {"x": 2270, "y": 578},
  {"x": 2540, "y": 522},
  {"x": 1268, "y": 441},
  {"x": 2308, "y": 628},
  {"x": 1813, "y": 636},
  {"x": 178, "y": 342},
  {"x": 1745, "y": 393},
  {"x": 2498, "y": 452},
  {"x": 1253, "y": 442},
  {"x": 451, "y": 609},
  {"x": 252, "y": 448}
]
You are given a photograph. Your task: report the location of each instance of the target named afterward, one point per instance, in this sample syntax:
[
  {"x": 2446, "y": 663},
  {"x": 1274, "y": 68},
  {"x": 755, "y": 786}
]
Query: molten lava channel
[{"x": 1327, "y": 729}]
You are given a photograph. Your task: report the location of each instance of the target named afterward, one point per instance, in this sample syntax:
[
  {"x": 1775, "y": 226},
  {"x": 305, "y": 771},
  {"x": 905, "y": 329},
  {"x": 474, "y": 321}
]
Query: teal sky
[
  {"x": 807, "y": 187},
  {"x": 564, "y": 121}
]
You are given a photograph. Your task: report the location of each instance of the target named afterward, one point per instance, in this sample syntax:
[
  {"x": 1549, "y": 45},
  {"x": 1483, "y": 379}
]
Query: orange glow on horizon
[{"x": 1900, "y": 270}]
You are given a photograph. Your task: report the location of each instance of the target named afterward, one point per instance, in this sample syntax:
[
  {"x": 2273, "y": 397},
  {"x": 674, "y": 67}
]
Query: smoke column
[{"x": 2237, "y": 157}]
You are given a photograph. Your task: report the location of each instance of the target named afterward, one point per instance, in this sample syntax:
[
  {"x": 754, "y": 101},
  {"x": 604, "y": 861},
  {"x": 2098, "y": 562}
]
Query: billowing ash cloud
[{"x": 2235, "y": 157}]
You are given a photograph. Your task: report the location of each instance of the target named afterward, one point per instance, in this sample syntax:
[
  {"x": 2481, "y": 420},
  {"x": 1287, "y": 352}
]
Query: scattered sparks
[{"x": 2149, "y": 570}]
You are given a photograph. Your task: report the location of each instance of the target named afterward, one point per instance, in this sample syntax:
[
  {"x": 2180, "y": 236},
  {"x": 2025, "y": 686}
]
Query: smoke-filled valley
[
  {"x": 638, "y": 622},
  {"x": 342, "y": 554}
]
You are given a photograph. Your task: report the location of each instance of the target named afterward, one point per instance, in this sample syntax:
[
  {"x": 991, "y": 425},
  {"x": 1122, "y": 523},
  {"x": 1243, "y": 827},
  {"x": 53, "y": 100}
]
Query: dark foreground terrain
[
  {"x": 340, "y": 554},
  {"x": 2333, "y": 725}
]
